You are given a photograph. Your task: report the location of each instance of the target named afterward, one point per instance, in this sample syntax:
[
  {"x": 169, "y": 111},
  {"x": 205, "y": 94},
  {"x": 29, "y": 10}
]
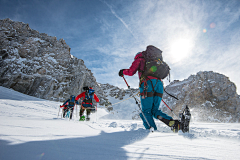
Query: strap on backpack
[
  {"x": 170, "y": 94},
  {"x": 169, "y": 76},
  {"x": 151, "y": 94}
]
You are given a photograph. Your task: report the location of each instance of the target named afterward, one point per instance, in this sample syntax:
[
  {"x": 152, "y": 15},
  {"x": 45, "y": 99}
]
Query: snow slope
[{"x": 31, "y": 130}]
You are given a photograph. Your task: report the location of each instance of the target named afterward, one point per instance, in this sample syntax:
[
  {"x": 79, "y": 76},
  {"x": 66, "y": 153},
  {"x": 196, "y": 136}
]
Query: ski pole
[
  {"x": 138, "y": 104},
  {"x": 170, "y": 109}
]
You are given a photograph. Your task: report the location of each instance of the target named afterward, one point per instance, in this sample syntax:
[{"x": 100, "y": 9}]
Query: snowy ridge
[{"x": 30, "y": 129}]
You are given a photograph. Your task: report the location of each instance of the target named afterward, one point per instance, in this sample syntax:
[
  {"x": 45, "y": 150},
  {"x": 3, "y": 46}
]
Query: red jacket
[
  {"x": 138, "y": 64},
  {"x": 83, "y": 95}
]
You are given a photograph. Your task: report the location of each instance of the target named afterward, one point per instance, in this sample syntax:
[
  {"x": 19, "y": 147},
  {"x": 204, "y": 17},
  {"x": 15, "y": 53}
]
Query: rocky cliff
[{"x": 39, "y": 65}]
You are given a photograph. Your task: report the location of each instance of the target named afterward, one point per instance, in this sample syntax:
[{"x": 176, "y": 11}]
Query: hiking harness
[{"x": 145, "y": 94}]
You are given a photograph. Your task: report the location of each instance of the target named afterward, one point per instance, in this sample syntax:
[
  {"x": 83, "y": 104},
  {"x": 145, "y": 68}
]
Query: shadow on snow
[{"x": 103, "y": 146}]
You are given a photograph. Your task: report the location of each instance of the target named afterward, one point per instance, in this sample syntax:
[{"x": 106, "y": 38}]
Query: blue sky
[{"x": 194, "y": 35}]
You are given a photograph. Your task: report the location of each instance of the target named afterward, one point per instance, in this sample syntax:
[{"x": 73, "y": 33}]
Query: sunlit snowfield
[{"x": 32, "y": 129}]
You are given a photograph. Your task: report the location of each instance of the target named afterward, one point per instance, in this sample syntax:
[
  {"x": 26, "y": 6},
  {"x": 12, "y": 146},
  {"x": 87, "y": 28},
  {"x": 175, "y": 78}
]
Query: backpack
[
  {"x": 71, "y": 102},
  {"x": 154, "y": 64},
  {"x": 89, "y": 96}
]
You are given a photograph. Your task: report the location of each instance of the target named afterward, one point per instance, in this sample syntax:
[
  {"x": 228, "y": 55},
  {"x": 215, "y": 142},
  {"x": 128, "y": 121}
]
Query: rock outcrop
[
  {"x": 39, "y": 65},
  {"x": 211, "y": 97}
]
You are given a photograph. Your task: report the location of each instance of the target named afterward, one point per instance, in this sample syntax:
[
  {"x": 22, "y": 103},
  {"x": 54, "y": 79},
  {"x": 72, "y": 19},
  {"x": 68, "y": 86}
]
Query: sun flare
[{"x": 181, "y": 49}]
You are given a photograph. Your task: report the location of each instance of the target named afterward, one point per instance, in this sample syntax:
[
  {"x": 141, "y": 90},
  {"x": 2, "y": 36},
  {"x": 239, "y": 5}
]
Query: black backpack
[{"x": 154, "y": 64}]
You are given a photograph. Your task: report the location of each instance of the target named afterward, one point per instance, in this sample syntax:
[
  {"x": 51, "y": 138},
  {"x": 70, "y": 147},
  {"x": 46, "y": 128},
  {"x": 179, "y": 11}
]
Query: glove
[{"x": 121, "y": 73}]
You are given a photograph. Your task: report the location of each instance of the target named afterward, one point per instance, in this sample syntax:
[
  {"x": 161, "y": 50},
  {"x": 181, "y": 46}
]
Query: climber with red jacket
[{"x": 87, "y": 102}]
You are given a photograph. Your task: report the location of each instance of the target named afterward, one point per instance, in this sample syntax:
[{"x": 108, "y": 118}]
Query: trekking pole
[
  {"x": 58, "y": 112},
  {"x": 96, "y": 113},
  {"x": 62, "y": 114},
  {"x": 170, "y": 109},
  {"x": 76, "y": 111},
  {"x": 151, "y": 128}
]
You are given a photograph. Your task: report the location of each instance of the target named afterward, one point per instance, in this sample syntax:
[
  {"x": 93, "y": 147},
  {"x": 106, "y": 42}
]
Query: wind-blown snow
[{"x": 30, "y": 129}]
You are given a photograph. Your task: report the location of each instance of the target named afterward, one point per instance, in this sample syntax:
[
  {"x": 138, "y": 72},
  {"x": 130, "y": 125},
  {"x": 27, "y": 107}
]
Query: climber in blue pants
[
  {"x": 151, "y": 103},
  {"x": 151, "y": 90}
]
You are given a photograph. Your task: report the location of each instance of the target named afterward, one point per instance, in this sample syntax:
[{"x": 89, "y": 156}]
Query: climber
[
  {"x": 69, "y": 106},
  {"x": 87, "y": 102}
]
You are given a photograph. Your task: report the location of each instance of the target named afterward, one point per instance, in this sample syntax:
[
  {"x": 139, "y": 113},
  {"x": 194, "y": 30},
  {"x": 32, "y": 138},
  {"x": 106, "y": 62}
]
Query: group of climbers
[
  {"x": 151, "y": 70},
  {"x": 87, "y": 104}
]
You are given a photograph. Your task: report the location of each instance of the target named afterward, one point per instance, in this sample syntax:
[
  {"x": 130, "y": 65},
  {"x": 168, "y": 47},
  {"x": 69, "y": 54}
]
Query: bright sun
[{"x": 180, "y": 49}]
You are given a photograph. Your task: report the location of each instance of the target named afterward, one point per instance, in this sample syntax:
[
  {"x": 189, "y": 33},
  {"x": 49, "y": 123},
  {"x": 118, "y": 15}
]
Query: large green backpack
[{"x": 154, "y": 64}]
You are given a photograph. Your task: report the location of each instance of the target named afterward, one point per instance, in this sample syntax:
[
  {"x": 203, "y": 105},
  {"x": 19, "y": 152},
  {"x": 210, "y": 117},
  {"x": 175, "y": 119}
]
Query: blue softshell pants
[{"x": 150, "y": 105}]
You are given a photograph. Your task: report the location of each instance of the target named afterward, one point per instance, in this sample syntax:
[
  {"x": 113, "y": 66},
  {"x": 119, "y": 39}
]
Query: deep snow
[{"x": 31, "y": 130}]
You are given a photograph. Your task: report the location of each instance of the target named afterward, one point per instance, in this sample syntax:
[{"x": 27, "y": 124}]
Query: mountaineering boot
[
  {"x": 169, "y": 123},
  {"x": 88, "y": 119},
  {"x": 176, "y": 125},
  {"x": 64, "y": 113},
  {"x": 82, "y": 118}
]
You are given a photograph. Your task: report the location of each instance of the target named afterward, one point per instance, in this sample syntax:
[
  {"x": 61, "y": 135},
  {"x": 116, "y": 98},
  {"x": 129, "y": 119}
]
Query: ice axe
[{"x": 151, "y": 128}]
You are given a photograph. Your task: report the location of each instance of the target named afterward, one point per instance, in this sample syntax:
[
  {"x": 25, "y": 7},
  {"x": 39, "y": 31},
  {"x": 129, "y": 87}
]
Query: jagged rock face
[
  {"x": 39, "y": 65},
  {"x": 211, "y": 97}
]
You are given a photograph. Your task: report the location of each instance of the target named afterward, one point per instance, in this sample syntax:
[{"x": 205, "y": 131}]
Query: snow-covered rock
[
  {"x": 39, "y": 65},
  {"x": 211, "y": 97}
]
